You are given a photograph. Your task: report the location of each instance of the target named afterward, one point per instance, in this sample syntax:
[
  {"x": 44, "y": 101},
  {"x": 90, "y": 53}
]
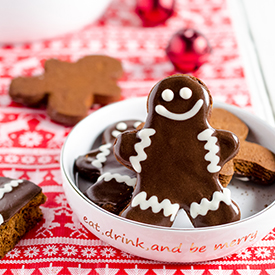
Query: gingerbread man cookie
[
  {"x": 114, "y": 183},
  {"x": 70, "y": 89},
  {"x": 177, "y": 156}
]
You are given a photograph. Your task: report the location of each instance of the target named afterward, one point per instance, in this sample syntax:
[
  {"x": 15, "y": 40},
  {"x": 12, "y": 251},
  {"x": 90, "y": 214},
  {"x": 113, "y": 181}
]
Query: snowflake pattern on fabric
[
  {"x": 31, "y": 252},
  {"x": 30, "y": 139},
  {"x": 89, "y": 252},
  {"x": 50, "y": 250}
]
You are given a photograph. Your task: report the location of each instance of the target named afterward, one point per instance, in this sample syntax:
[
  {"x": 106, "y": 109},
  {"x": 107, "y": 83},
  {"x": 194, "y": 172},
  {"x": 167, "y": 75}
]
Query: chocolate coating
[
  {"x": 18, "y": 197},
  {"x": 111, "y": 194},
  {"x": 113, "y": 183},
  {"x": 83, "y": 166}
]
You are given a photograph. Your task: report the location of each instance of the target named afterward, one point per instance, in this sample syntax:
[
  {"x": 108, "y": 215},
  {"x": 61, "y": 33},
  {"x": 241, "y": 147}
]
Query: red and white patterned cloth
[{"x": 30, "y": 143}]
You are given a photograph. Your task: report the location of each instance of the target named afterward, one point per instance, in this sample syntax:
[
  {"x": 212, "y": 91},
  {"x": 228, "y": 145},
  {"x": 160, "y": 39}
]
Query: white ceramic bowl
[
  {"x": 28, "y": 20},
  {"x": 181, "y": 243}
]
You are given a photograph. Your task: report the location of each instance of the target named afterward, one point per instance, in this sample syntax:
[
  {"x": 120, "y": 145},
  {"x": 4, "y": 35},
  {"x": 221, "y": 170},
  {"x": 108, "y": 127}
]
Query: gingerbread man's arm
[
  {"x": 89, "y": 166},
  {"x": 124, "y": 147},
  {"x": 229, "y": 145},
  {"x": 29, "y": 91}
]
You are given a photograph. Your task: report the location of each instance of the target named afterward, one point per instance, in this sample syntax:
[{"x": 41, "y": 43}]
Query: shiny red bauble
[
  {"x": 154, "y": 12},
  {"x": 188, "y": 50}
]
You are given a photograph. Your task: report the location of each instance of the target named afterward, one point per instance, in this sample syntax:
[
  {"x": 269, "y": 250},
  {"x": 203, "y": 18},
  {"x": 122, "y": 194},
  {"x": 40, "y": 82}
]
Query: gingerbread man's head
[{"x": 180, "y": 98}]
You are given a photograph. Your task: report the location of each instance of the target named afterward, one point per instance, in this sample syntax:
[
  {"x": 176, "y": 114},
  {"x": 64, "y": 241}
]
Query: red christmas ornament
[
  {"x": 188, "y": 50},
  {"x": 154, "y": 12}
]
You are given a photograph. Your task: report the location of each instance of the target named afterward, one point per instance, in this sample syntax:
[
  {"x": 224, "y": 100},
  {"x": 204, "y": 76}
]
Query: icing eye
[
  {"x": 185, "y": 93},
  {"x": 167, "y": 95},
  {"x": 115, "y": 133},
  {"x": 121, "y": 126}
]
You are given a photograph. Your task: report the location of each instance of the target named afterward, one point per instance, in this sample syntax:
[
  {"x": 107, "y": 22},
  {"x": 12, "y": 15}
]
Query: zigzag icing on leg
[
  {"x": 101, "y": 157},
  {"x": 145, "y": 142},
  {"x": 119, "y": 178},
  {"x": 205, "y": 205},
  {"x": 168, "y": 208},
  {"x": 213, "y": 149}
]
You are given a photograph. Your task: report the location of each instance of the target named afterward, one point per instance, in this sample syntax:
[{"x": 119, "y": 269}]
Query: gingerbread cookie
[
  {"x": 70, "y": 89},
  {"x": 225, "y": 120},
  {"x": 256, "y": 163},
  {"x": 19, "y": 210},
  {"x": 177, "y": 156},
  {"x": 253, "y": 161},
  {"x": 114, "y": 183}
]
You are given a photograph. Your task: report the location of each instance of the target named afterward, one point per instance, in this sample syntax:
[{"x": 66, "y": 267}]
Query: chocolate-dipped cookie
[
  {"x": 177, "y": 156},
  {"x": 113, "y": 183},
  {"x": 19, "y": 210}
]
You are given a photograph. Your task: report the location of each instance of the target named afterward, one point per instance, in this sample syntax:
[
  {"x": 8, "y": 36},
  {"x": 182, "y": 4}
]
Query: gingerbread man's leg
[
  {"x": 149, "y": 210},
  {"x": 146, "y": 216},
  {"x": 207, "y": 214}
]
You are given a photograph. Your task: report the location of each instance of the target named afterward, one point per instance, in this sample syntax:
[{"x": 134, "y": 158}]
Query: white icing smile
[
  {"x": 161, "y": 110},
  {"x": 185, "y": 93}
]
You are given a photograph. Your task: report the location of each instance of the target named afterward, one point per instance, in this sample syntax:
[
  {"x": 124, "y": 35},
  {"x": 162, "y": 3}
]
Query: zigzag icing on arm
[
  {"x": 101, "y": 157},
  {"x": 6, "y": 188},
  {"x": 168, "y": 208},
  {"x": 213, "y": 149},
  {"x": 205, "y": 205},
  {"x": 119, "y": 178},
  {"x": 145, "y": 142}
]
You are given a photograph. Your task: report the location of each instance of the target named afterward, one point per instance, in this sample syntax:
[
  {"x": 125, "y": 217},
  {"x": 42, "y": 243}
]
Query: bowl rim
[{"x": 156, "y": 227}]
